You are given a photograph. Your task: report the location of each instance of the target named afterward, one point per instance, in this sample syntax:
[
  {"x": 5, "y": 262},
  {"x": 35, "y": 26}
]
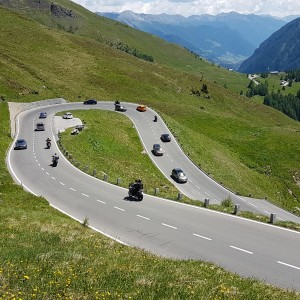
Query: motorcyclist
[
  {"x": 48, "y": 142},
  {"x": 117, "y": 102},
  {"x": 137, "y": 186},
  {"x": 55, "y": 157}
]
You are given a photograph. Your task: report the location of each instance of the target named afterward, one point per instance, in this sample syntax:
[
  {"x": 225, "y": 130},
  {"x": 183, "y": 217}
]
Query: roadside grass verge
[
  {"x": 46, "y": 255},
  {"x": 110, "y": 145}
]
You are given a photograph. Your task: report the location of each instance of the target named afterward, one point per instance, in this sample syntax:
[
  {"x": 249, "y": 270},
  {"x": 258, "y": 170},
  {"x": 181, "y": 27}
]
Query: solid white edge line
[
  {"x": 105, "y": 234},
  {"x": 288, "y": 265},
  {"x": 170, "y": 226},
  {"x": 143, "y": 217},
  {"x": 202, "y": 237},
  {"x": 240, "y": 249}
]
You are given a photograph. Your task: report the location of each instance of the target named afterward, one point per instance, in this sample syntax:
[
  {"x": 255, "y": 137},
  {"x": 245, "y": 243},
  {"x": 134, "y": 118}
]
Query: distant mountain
[
  {"x": 280, "y": 52},
  {"x": 226, "y": 39}
]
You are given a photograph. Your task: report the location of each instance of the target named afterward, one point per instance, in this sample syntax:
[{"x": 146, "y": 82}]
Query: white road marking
[
  {"x": 201, "y": 236},
  {"x": 43, "y": 169},
  {"x": 240, "y": 249},
  {"x": 85, "y": 195},
  {"x": 267, "y": 212},
  {"x": 39, "y": 164},
  {"x": 281, "y": 219},
  {"x": 72, "y": 189},
  {"x": 61, "y": 183},
  {"x": 252, "y": 204},
  {"x": 164, "y": 224},
  {"x": 288, "y": 265},
  {"x": 53, "y": 177},
  {"x": 142, "y": 217},
  {"x": 116, "y": 207},
  {"x": 207, "y": 193},
  {"x": 47, "y": 173},
  {"x": 101, "y": 201}
]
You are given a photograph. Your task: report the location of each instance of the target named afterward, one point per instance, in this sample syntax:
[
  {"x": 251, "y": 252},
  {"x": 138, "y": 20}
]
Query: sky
[{"x": 278, "y": 8}]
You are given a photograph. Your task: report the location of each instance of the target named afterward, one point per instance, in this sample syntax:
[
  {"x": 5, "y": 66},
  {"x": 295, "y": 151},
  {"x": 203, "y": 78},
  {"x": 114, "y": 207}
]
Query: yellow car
[{"x": 141, "y": 108}]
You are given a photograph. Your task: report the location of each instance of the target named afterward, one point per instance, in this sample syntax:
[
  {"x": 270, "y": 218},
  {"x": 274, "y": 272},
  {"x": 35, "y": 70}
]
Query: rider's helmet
[{"x": 139, "y": 180}]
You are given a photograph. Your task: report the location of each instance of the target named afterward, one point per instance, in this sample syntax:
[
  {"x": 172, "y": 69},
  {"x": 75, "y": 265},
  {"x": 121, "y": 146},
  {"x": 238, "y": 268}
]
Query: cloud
[{"x": 278, "y": 8}]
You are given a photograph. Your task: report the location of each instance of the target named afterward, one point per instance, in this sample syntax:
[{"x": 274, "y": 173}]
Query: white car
[{"x": 68, "y": 115}]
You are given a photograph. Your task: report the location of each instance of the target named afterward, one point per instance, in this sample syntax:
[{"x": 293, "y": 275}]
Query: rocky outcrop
[{"x": 61, "y": 12}]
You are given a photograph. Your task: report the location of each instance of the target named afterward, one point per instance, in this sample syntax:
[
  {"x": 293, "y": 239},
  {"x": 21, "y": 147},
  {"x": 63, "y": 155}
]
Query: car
[
  {"x": 43, "y": 115},
  {"x": 141, "y": 108},
  {"x": 179, "y": 175},
  {"x": 40, "y": 126},
  {"x": 68, "y": 115},
  {"x": 119, "y": 107},
  {"x": 20, "y": 144},
  {"x": 157, "y": 150},
  {"x": 90, "y": 101},
  {"x": 165, "y": 137}
]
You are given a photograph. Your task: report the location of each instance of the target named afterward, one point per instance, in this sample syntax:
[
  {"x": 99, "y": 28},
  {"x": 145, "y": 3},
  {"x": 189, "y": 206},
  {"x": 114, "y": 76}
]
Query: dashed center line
[
  {"x": 207, "y": 193},
  {"x": 72, "y": 189},
  {"x": 202, "y": 237},
  {"x": 61, "y": 183},
  {"x": 85, "y": 195},
  {"x": 170, "y": 226},
  {"x": 288, "y": 265},
  {"x": 143, "y": 217},
  {"x": 252, "y": 204},
  {"x": 116, "y": 207},
  {"x": 53, "y": 178},
  {"x": 47, "y": 173},
  {"x": 101, "y": 201},
  {"x": 267, "y": 212},
  {"x": 240, "y": 249},
  {"x": 43, "y": 169}
]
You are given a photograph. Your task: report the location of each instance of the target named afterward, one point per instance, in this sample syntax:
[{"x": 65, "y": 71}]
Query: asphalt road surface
[{"x": 164, "y": 227}]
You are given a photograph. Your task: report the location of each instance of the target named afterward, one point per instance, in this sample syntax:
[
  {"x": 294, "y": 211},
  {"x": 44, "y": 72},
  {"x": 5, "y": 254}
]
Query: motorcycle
[
  {"x": 132, "y": 193},
  {"x": 54, "y": 161},
  {"x": 48, "y": 144}
]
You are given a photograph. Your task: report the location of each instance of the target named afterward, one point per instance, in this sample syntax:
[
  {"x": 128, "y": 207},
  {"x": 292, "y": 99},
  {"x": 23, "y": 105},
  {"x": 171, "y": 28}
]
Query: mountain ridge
[
  {"x": 280, "y": 52},
  {"x": 246, "y": 32}
]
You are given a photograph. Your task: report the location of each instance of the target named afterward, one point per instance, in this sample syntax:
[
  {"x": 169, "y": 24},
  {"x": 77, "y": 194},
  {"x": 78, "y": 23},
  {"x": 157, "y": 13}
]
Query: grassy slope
[
  {"x": 252, "y": 159},
  {"x": 31, "y": 57}
]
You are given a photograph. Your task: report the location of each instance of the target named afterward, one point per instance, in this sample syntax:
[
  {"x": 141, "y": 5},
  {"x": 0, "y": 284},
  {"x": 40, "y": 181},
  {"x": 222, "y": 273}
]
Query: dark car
[
  {"x": 40, "y": 127},
  {"x": 165, "y": 137},
  {"x": 20, "y": 144},
  {"x": 179, "y": 175},
  {"x": 119, "y": 107},
  {"x": 43, "y": 115},
  {"x": 157, "y": 150},
  {"x": 90, "y": 101}
]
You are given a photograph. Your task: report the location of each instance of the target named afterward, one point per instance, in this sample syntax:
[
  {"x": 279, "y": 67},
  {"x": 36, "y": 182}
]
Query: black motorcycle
[
  {"x": 136, "y": 194},
  {"x": 54, "y": 161},
  {"x": 48, "y": 144}
]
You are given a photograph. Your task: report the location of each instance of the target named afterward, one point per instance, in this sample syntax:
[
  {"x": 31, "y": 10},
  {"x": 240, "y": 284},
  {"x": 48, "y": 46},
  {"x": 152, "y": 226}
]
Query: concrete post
[
  {"x": 156, "y": 191},
  {"x": 94, "y": 173},
  {"x": 206, "y": 202},
  {"x": 236, "y": 209},
  {"x": 118, "y": 181},
  {"x": 179, "y": 197},
  {"x": 105, "y": 177},
  {"x": 272, "y": 218}
]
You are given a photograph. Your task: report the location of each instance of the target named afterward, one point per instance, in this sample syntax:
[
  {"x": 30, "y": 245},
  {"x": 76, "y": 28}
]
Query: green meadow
[{"x": 247, "y": 146}]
